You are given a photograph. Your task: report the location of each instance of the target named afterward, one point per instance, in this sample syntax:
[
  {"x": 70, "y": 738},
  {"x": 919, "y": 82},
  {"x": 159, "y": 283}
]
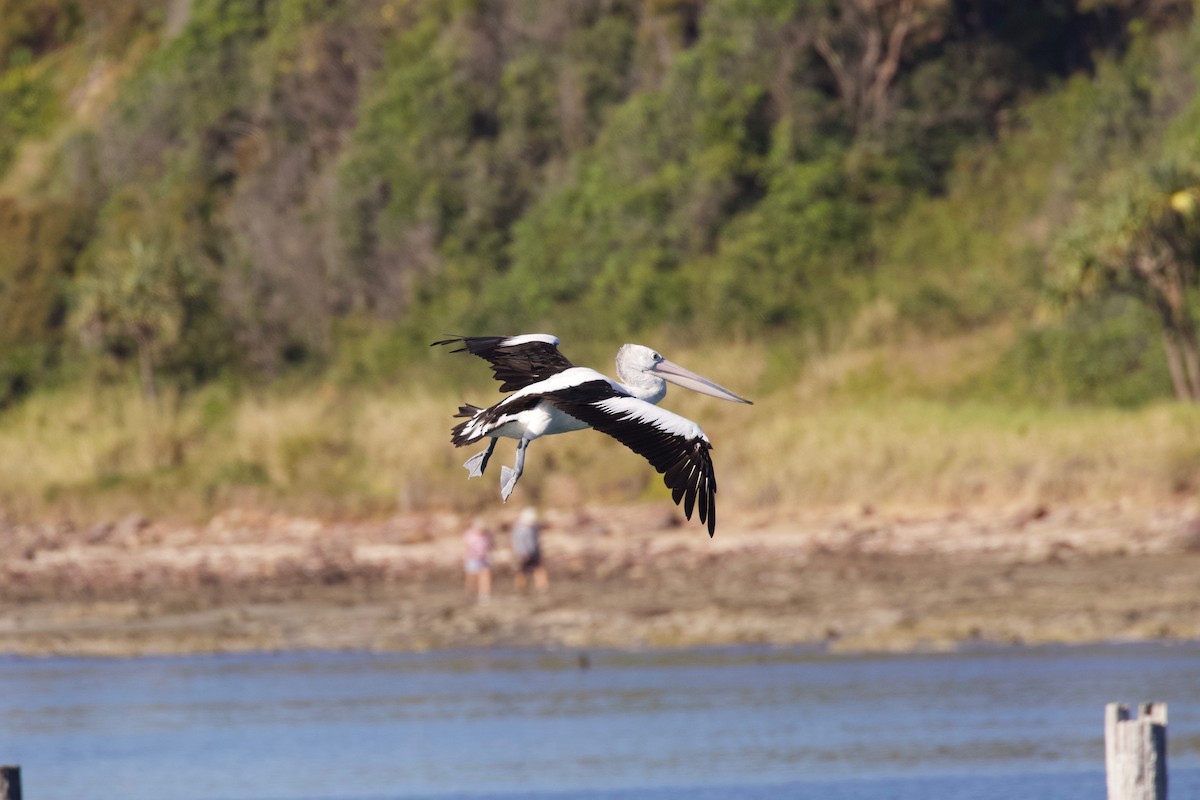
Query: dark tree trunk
[
  {"x": 1175, "y": 365},
  {"x": 1164, "y": 275}
]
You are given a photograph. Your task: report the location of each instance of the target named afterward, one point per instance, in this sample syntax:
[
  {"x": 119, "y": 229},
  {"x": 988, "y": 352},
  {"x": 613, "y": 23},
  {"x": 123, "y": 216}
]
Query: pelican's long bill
[{"x": 697, "y": 383}]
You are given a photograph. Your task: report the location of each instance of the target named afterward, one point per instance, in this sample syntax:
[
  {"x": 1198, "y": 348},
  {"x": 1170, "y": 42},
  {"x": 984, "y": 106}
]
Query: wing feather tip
[{"x": 689, "y": 501}]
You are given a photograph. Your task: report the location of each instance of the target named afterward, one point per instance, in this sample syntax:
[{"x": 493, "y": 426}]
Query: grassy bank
[{"x": 885, "y": 427}]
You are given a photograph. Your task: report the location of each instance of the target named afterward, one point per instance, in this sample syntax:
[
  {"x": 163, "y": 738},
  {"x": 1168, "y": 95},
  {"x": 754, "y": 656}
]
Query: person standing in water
[{"x": 527, "y": 548}]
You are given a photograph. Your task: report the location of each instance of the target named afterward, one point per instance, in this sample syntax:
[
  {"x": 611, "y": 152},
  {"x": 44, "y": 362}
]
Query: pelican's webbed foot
[
  {"x": 509, "y": 477},
  {"x": 508, "y": 482},
  {"x": 477, "y": 463}
]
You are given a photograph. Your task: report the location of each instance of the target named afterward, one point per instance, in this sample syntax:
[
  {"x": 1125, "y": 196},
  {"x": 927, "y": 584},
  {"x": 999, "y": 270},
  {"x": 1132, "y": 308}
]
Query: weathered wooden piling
[
  {"x": 10, "y": 783},
  {"x": 1135, "y": 751}
]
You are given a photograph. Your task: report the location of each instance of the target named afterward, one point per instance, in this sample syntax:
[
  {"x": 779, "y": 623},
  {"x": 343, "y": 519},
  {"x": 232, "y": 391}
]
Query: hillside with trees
[{"x": 205, "y": 198}]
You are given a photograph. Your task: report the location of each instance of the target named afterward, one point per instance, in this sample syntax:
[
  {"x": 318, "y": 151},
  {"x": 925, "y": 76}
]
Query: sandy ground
[{"x": 623, "y": 577}]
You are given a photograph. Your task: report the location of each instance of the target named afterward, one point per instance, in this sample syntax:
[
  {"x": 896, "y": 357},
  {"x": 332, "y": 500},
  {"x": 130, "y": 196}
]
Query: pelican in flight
[{"x": 552, "y": 395}]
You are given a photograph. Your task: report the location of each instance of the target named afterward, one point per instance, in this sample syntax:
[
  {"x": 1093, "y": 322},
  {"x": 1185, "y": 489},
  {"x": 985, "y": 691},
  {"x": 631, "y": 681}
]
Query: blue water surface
[{"x": 486, "y": 725}]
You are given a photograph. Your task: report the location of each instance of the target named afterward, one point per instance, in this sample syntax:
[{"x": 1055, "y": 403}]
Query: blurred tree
[
  {"x": 1145, "y": 242},
  {"x": 795, "y": 260},
  {"x": 137, "y": 293},
  {"x": 664, "y": 28},
  {"x": 35, "y": 26},
  {"x": 146, "y": 287},
  {"x": 863, "y": 42},
  {"x": 38, "y": 247},
  {"x": 477, "y": 109},
  {"x": 27, "y": 104}
]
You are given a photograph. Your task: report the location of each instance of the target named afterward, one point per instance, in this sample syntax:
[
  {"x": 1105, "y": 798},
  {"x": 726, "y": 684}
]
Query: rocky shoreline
[{"x": 853, "y": 579}]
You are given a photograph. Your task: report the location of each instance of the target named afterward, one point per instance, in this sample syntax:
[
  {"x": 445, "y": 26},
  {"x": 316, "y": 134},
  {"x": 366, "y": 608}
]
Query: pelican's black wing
[
  {"x": 674, "y": 445},
  {"x": 517, "y": 361}
]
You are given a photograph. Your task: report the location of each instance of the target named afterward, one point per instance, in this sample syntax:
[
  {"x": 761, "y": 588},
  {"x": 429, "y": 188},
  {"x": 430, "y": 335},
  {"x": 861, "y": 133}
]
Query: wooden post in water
[
  {"x": 1135, "y": 751},
  {"x": 10, "y": 783}
]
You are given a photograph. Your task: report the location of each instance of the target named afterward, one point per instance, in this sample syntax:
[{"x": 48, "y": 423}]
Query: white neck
[{"x": 650, "y": 388}]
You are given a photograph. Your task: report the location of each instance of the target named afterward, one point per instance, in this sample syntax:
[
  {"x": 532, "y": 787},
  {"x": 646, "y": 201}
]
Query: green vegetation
[{"x": 233, "y": 206}]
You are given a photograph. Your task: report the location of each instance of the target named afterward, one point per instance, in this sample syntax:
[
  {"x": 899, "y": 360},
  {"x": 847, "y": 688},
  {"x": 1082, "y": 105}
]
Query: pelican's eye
[{"x": 657, "y": 358}]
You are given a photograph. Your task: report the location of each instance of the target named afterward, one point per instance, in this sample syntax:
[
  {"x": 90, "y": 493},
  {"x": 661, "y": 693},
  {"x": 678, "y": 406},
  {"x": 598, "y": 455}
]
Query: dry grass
[
  {"x": 922, "y": 453},
  {"x": 849, "y": 432}
]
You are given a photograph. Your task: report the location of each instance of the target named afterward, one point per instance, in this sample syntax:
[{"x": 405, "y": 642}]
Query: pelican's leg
[
  {"x": 477, "y": 463},
  {"x": 508, "y": 477}
]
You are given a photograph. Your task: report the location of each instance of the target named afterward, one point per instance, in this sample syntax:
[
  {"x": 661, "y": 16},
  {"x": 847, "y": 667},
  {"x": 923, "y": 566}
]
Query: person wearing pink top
[{"x": 477, "y": 562}]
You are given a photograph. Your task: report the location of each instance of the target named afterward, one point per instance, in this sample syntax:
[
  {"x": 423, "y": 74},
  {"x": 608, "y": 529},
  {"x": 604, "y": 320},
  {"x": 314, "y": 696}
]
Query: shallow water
[{"x": 709, "y": 723}]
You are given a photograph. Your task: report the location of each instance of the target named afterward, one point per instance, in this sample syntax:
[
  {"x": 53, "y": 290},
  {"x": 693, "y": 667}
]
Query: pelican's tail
[{"x": 465, "y": 432}]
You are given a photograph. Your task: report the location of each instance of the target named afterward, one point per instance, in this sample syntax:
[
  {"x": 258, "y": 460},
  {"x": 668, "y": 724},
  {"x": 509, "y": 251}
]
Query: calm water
[{"x": 722, "y": 723}]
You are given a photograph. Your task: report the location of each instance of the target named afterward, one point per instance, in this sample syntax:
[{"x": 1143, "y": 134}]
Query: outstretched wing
[
  {"x": 517, "y": 361},
  {"x": 674, "y": 445}
]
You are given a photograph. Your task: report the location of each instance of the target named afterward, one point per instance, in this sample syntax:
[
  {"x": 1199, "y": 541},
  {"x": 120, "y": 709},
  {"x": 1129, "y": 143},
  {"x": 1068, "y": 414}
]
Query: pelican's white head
[{"x": 643, "y": 370}]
